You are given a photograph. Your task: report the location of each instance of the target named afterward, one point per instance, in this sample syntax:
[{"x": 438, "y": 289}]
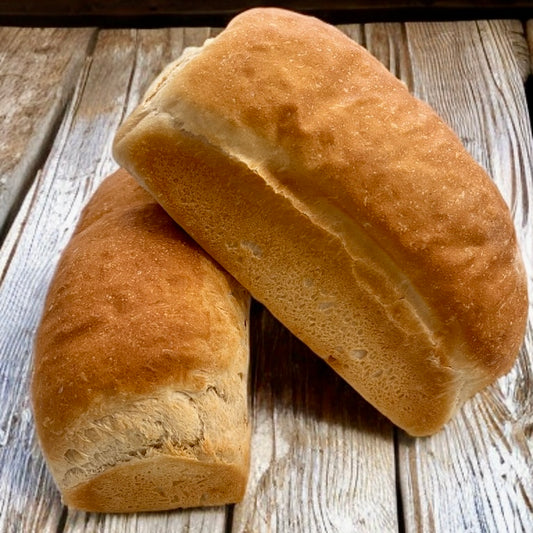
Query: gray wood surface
[
  {"x": 38, "y": 71},
  {"x": 322, "y": 459}
]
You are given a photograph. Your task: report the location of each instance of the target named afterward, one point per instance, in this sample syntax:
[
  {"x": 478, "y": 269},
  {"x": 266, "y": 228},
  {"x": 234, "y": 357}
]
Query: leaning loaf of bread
[
  {"x": 141, "y": 359},
  {"x": 342, "y": 203}
]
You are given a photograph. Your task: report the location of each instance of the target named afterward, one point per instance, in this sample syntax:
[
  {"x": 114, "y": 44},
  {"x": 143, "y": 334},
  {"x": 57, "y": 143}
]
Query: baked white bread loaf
[
  {"x": 343, "y": 203},
  {"x": 140, "y": 374}
]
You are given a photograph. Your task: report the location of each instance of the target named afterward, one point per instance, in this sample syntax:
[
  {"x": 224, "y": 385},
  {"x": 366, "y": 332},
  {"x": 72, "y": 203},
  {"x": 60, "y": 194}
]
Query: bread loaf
[
  {"x": 343, "y": 203},
  {"x": 140, "y": 372}
]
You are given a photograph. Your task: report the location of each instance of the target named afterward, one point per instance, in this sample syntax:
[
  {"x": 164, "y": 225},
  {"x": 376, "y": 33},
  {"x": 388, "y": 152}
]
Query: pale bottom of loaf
[{"x": 158, "y": 484}]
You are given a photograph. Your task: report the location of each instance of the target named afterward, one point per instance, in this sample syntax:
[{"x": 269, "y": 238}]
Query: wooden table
[{"x": 322, "y": 459}]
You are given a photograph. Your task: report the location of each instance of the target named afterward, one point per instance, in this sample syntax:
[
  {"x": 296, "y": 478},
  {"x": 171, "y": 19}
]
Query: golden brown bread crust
[
  {"x": 283, "y": 129},
  {"x": 141, "y": 362}
]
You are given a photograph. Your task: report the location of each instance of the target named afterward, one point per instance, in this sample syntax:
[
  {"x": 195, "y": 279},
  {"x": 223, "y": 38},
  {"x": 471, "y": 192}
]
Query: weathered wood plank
[
  {"x": 519, "y": 46},
  {"x": 529, "y": 35},
  {"x": 24, "y": 484},
  {"x": 38, "y": 71},
  {"x": 123, "y": 64},
  {"x": 201, "y": 520},
  {"x": 476, "y": 474}
]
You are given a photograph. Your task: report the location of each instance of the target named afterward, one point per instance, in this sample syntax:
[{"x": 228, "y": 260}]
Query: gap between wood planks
[{"x": 397, "y": 476}]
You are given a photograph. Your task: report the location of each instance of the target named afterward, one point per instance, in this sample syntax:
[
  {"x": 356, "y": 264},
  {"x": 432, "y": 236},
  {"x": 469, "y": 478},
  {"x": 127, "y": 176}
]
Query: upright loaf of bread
[
  {"x": 342, "y": 203},
  {"x": 140, "y": 373}
]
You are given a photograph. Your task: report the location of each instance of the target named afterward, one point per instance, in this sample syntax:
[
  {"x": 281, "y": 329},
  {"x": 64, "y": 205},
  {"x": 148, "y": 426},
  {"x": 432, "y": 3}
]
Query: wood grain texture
[
  {"x": 529, "y": 36},
  {"x": 516, "y": 31},
  {"x": 38, "y": 72},
  {"x": 476, "y": 474},
  {"x": 202, "y": 520},
  {"x": 28, "y": 500}
]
